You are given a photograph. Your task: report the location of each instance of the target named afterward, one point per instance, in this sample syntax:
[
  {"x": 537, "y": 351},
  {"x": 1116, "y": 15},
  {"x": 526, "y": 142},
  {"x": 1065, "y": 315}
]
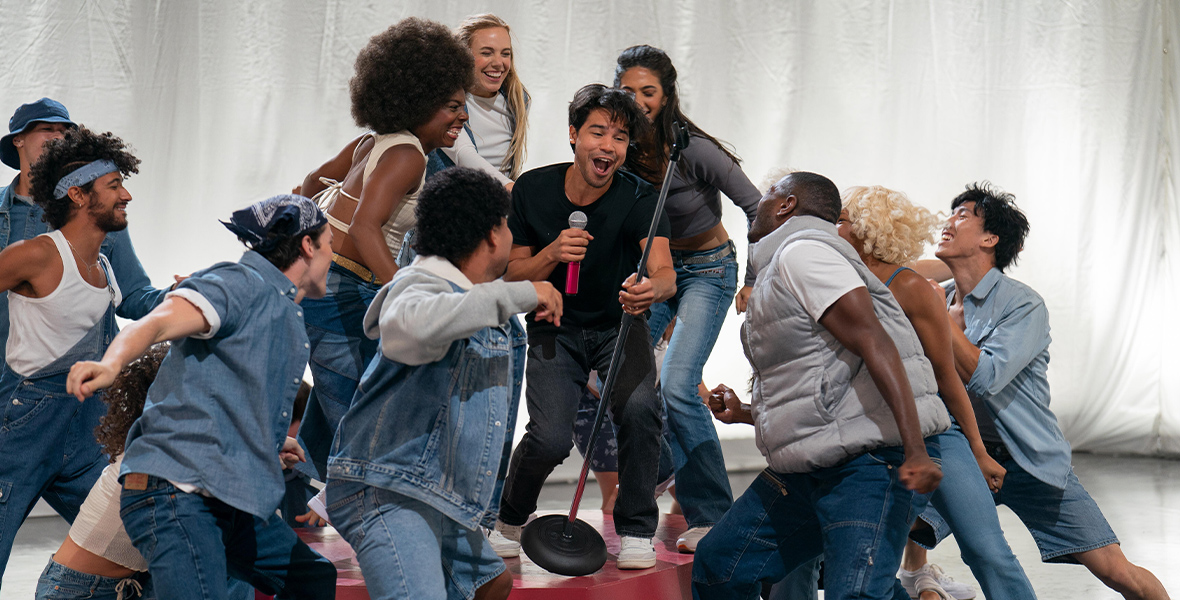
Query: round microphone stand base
[{"x": 581, "y": 551}]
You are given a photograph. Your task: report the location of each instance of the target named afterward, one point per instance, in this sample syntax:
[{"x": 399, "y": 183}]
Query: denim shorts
[
  {"x": 59, "y": 582},
  {"x": 1062, "y": 522},
  {"x": 406, "y": 548}
]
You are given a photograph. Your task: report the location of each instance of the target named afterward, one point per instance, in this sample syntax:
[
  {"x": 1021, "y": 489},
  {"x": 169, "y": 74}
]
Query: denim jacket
[
  {"x": 434, "y": 413},
  {"x": 218, "y": 412},
  {"x": 20, "y": 221},
  {"x": 1009, "y": 324}
]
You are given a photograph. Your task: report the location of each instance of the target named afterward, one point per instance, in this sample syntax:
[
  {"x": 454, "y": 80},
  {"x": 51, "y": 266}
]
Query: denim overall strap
[{"x": 50, "y": 437}]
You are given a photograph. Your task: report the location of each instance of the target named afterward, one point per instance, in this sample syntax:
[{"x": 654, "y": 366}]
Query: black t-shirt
[{"x": 618, "y": 220}]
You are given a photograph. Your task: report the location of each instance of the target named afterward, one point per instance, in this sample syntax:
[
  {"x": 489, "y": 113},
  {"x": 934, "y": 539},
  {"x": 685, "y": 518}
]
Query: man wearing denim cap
[{"x": 31, "y": 126}]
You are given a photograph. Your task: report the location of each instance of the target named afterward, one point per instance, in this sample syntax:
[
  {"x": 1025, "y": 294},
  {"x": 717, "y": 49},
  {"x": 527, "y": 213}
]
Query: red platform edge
[{"x": 670, "y": 579}]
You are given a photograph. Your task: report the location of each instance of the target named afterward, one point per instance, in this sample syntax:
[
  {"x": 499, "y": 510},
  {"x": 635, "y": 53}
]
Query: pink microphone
[{"x": 572, "y": 270}]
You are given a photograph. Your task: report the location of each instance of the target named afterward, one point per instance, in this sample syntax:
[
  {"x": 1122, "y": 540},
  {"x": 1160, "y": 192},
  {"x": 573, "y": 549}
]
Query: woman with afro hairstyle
[
  {"x": 409, "y": 90},
  {"x": 498, "y": 104},
  {"x": 62, "y": 310},
  {"x": 888, "y": 231},
  {"x": 706, "y": 277},
  {"x": 97, "y": 556}
]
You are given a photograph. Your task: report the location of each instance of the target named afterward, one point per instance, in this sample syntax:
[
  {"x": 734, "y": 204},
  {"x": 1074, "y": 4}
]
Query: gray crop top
[{"x": 694, "y": 197}]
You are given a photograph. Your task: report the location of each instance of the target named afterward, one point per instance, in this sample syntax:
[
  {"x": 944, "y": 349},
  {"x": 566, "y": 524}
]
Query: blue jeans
[
  {"x": 856, "y": 514},
  {"x": 965, "y": 501},
  {"x": 704, "y": 292},
  {"x": 193, "y": 543},
  {"x": 47, "y": 438},
  {"x": 1062, "y": 522},
  {"x": 559, "y": 362},
  {"x": 340, "y": 351},
  {"x": 59, "y": 582},
  {"x": 406, "y": 548},
  {"x": 800, "y": 584}
]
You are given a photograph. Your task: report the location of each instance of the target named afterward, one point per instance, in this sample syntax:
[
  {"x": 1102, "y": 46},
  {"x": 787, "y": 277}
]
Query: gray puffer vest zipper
[{"x": 814, "y": 403}]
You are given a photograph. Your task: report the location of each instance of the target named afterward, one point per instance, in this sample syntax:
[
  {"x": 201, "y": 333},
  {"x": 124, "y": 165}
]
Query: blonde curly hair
[{"x": 894, "y": 229}]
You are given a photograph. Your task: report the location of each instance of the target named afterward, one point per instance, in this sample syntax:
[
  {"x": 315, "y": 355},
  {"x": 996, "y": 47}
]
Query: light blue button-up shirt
[
  {"x": 218, "y": 412},
  {"x": 1009, "y": 324},
  {"x": 20, "y": 220}
]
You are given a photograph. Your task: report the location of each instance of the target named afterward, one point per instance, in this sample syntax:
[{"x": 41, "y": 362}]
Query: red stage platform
[{"x": 670, "y": 579}]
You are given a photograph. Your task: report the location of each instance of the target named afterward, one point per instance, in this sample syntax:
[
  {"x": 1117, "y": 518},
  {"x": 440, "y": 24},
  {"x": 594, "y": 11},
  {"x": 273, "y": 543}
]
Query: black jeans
[{"x": 559, "y": 361}]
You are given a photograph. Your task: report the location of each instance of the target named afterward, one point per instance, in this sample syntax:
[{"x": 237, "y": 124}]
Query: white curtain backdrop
[{"x": 1072, "y": 106}]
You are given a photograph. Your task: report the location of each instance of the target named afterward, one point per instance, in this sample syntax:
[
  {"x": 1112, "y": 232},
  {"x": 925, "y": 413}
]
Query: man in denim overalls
[{"x": 63, "y": 302}]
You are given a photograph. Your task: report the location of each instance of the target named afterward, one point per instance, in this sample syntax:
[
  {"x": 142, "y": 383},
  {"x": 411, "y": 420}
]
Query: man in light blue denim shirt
[
  {"x": 1001, "y": 346},
  {"x": 31, "y": 126},
  {"x": 419, "y": 459},
  {"x": 201, "y": 473}
]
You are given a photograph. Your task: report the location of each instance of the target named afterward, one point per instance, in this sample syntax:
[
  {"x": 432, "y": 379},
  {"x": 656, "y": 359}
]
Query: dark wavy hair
[
  {"x": 1001, "y": 217},
  {"x": 405, "y": 73},
  {"x": 457, "y": 210},
  {"x": 125, "y": 399},
  {"x": 619, "y": 105},
  {"x": 652, "y": 158},
  {"x": 60, "y": 157},
  {"x": 287, "y": 250}
]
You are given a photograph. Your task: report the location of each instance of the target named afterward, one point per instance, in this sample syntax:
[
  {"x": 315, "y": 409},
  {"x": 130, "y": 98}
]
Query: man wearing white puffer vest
[{"x": 842, "y": 399}]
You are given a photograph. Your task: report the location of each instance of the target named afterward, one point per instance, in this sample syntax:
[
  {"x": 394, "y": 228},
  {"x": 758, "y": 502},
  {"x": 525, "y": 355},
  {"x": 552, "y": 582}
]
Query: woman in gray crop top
[{"x": 706, "y": 277}]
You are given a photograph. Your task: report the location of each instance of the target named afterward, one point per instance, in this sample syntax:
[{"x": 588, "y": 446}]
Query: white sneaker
[
  {"x": 925, "y": 582},
  {"x": 959, "y": 591},
  {"x": 636, "y": 553},
  {"x": 687, "y": 543},
  {"x": 505, "y": 539}
]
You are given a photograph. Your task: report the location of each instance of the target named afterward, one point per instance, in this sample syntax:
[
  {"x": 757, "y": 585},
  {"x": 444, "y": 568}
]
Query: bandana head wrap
[
  {"x": 83, "y": 175},
  {"x": 264, "y": 224}
]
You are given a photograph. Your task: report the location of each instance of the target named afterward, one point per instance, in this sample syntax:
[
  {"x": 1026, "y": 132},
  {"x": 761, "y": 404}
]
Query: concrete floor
[{"x": 1139, "y": 496}]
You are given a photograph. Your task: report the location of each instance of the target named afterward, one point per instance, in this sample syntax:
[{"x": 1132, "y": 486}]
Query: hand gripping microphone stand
[{"x": 565, "y": 545}]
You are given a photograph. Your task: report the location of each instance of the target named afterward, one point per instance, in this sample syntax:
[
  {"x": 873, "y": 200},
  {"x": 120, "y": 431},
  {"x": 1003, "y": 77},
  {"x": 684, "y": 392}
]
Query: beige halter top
[{"x": 402, "y": 219}]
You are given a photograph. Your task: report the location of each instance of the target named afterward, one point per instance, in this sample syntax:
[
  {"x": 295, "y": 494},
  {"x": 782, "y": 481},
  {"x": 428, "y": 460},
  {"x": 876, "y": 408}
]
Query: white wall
[{"x": 1071, "y": 106}]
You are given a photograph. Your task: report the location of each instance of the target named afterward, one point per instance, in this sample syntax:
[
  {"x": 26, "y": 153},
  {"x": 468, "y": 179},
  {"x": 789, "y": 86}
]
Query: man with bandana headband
[
  {"x": 63, "y": 302},
  {"x": 32, "y": 127},
  {"x": 200, "y": 480}
]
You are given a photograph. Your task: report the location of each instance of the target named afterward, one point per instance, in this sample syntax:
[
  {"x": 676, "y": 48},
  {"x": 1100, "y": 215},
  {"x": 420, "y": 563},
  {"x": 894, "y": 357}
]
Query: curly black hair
[
  {"x": 125, "y": 399},
  {"x": 1001, "y": 217},
  {"x": 61, "y": 157},
  {"x": 619, "y": 105},
  {"x": 406, "y": 73},
  {"x": 457, "y": 210}
]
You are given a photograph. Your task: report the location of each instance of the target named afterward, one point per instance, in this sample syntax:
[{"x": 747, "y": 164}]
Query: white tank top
[{"x": 43, "y": 329}]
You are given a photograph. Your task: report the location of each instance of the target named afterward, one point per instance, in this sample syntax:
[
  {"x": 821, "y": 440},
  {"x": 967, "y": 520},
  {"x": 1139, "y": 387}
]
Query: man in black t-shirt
[{"x": 619, "y": 209}]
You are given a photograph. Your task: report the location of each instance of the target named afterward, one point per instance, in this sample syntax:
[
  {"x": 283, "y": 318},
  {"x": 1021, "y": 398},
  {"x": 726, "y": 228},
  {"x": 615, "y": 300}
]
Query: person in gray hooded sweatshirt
[{"x": 842, "y": 399}]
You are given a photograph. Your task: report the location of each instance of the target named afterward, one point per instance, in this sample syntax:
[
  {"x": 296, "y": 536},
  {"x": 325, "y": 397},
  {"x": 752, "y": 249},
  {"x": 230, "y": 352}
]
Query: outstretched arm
[
  {"x": 172, "y": 319},
  {"x": 927, "y": 313},
  {"x": 851, "y": 320}
]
